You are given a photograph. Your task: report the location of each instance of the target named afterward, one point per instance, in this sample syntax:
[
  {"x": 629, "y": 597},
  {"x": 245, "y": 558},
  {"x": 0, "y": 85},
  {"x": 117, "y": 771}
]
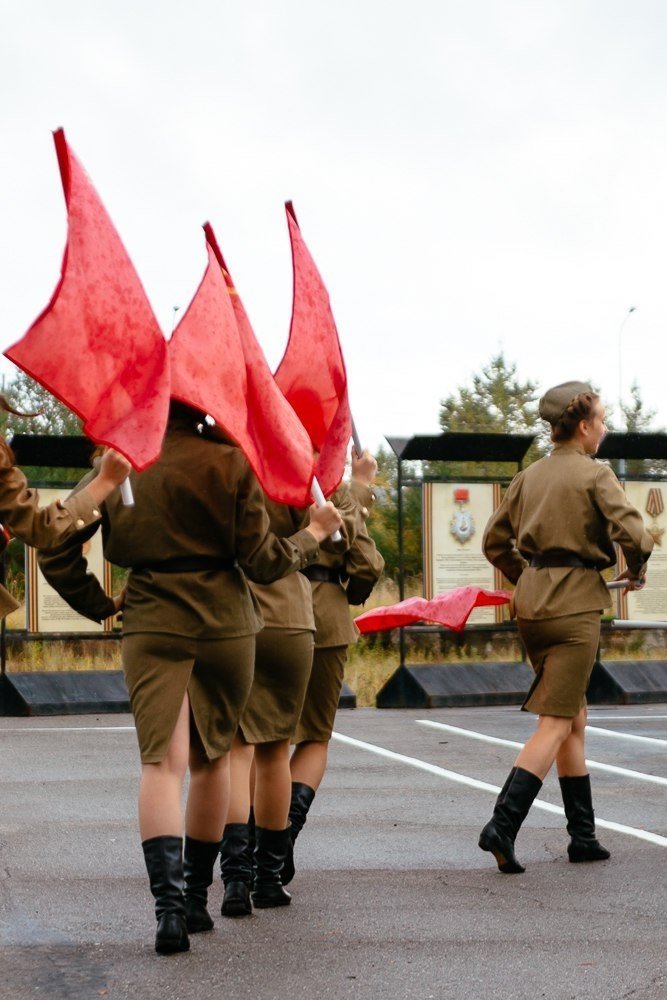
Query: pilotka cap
[{"x": 555, "y": 401}]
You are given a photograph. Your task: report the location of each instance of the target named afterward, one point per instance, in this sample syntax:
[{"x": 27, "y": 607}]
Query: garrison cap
[{"x": 555, "y": 401}]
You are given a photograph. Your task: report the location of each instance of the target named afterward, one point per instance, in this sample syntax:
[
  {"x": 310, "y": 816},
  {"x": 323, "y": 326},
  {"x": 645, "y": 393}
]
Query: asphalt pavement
[{"x": 392, "y": 897}]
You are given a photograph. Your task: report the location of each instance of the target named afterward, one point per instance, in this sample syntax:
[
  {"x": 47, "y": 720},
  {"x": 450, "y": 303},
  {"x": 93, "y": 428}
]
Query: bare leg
[
  {"x": 161, "y": 785},
  {"x": 543, "y": 747},
  {"x": 208, "y": 797},
  {"x": 273, "y": 784},
  {"x": 241, "y": 760},
  {"x": 309, "y": 762},
  {"x": 571, "y": 758}
]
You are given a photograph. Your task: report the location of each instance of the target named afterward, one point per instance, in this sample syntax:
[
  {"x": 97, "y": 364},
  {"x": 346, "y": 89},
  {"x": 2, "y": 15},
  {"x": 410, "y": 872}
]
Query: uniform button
[
  {"x": 364, "y": 511},
  {"x": 80, "y": 522},
  {"x": 96, "y": 512}
]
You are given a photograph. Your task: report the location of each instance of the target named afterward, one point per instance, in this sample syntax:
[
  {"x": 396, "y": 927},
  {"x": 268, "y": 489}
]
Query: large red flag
[
  {"x": 451, "y": 609},
  {"x": 218, "y": 366},
  {"x": 312, "y": 372},
  {"x": 97, "y": 346}
]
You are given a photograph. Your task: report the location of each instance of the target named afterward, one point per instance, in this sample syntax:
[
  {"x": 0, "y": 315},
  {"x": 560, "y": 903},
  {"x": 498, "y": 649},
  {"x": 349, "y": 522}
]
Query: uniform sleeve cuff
[{"x": 83, "y": 509}]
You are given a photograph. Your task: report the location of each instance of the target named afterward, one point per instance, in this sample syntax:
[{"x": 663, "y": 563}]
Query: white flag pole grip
[
  {"x": 356, "y": 440},
  {"x": 126, "y": 493},
  {"x": 318, "y": 497},
  {"x": 622, "y": 584}
]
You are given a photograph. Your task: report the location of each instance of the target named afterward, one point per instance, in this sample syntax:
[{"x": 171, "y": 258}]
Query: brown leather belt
[
  {"x": 188, "y": 564},
  {"x": 323, "y": 574},
  {"x": 555, "y": 560}
]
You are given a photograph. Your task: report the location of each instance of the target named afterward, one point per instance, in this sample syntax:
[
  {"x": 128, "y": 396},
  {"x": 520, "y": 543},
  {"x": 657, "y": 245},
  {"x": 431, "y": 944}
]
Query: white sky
[{"x": 469, "y": 176}]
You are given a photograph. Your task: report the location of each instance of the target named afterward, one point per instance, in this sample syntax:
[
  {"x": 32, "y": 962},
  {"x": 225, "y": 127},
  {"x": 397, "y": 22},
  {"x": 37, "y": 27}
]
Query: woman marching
[
  {"x": 283, "y": 660},
  {"x": 46, "y": 527},
  {"x": 198, "y": 528},
  {"x": 282, "y": 677},
  {"x": 553, "y": 532}
]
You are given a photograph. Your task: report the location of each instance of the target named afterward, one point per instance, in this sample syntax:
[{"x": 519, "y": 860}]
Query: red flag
[
  {"x": 218, "y": 366},
  {"x": 451, "y": 609},
  {"x": 312, "y": 372},
  {"x": 97, "y": 346}
]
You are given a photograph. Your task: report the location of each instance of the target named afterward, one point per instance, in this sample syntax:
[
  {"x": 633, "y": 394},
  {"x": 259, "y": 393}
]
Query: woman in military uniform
[
  {"x": 552, "y": 534},
  {"x": 283, "y": 660},
  {"x": 197, "y": 529},
  {"x": 335, "y": 631}
]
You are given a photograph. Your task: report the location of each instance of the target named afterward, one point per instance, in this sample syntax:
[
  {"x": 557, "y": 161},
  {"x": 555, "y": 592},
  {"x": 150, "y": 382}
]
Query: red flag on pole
[
  {"x": 312, "y": 373},
  {"x": 452, "y": 609},
  {"x": 97, "y": 346},
  {"x": 218, "y": 366}
]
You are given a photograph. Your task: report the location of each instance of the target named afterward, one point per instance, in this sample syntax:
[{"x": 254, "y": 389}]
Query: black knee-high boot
[
  {"x": 271, "y": 847},
  {"x": 511, "y": 809},
  {"x": 578, "y": 803},
  {"x": 236, "y": 870},
  {"x": 302, "y": 799},
  {"x": 198, "y": 863},
  {"x": 164, "y": 863}
]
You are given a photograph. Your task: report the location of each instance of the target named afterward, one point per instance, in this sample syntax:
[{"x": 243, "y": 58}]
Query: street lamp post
[{"x": 620, "y": 361}]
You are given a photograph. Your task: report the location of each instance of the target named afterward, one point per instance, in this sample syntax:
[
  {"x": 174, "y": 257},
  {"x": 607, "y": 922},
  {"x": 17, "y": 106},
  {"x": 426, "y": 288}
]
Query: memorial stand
[{"x": 58, "y": 692}]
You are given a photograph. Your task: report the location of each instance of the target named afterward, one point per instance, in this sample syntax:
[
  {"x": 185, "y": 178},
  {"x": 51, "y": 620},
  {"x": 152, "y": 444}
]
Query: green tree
[
  {"x": 639, "y": 419},
  {"x": 51, "y": 417},
  {"x": 383, "y": 523},
  {"x": 496, "y": 402}
]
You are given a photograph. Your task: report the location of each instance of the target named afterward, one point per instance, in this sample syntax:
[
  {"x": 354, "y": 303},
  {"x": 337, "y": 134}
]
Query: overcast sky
[{"x": 469, "y": 176}]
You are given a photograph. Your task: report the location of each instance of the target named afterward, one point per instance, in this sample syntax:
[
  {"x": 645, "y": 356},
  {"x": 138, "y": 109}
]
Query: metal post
[
  {"x": 401, "y": 567},
  {"x": 3, "y": 623}
]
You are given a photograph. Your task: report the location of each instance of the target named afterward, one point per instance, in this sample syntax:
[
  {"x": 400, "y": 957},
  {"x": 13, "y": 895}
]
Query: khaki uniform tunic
[
  {"x": 286, "y": 603},
  {"x": 567, "y": 504},
  {"x": 41, "y": 527}
]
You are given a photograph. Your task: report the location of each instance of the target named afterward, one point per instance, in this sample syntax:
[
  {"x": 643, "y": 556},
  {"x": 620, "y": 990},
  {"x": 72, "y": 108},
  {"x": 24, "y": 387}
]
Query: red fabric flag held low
[
  {"x": 218, "y": 366},
  {"x": 451, "y": 609},
  {"x": 312, "y": 372},
  {"x": 97, "y": 346}
]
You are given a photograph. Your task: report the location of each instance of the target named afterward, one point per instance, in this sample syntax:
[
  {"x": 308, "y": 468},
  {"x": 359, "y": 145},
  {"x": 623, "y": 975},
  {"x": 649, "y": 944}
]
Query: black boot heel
[{"x": 511, "y": 808}]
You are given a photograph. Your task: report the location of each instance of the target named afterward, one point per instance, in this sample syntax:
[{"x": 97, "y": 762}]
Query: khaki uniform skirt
[
  {"x": 322, "y": 696},
  {"x": 283, "y": 661},
  {"x": 160, "y": 668},
  {"x": 562, "y": 653}
]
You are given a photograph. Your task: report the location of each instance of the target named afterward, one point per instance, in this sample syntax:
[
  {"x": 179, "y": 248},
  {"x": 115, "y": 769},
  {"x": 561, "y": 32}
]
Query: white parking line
[
  {"x": 69, "y": 729},
  {"x": 484, "y": 786},
  {"x": 594, "y": 765},
  {"x": 653, "y": 740}
]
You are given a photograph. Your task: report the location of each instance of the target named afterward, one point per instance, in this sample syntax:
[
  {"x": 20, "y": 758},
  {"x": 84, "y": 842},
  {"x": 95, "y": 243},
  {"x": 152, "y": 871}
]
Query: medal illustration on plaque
[
  {"x": 654, "y": 507},
  {"x": 462, "y": 524}
]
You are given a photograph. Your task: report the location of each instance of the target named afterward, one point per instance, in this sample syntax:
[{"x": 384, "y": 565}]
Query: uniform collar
[{"x": 564, "y": 447}]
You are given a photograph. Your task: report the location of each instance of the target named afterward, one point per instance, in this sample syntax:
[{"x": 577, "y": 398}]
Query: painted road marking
[
  {"x": 653, "y": 740},
  {"x": 70, "y": 729},
  {"x": 594, "y": 765},
  {"x": 484, "y": 786}
]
